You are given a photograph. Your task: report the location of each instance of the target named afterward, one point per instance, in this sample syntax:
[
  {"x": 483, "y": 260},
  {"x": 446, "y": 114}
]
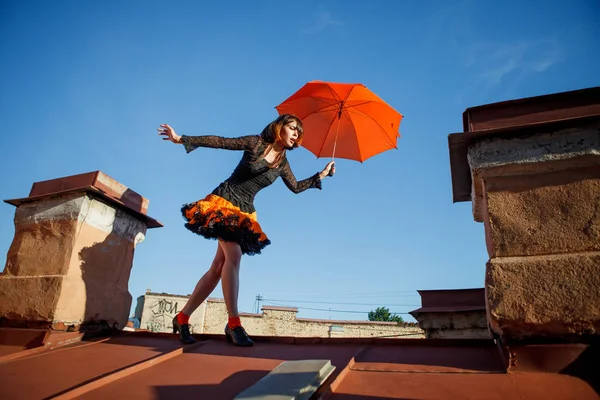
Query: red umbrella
[{"x": 342, "y": 118}]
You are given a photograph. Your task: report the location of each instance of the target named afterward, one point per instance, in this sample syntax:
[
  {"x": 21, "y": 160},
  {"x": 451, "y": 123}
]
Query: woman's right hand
[{"x": 166, "y": 130}]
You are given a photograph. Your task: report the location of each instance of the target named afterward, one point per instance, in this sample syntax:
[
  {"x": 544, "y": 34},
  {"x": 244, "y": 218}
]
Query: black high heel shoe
[
  {"x": 184, "y": 332},
  {"x": 238, "y": 336}
]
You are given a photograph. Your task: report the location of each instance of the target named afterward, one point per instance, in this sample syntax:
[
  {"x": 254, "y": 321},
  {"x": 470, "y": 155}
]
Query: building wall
[
  {"x": 155, "y": 312},
  {"x": 281, "y": 321},
  {"x": 159, "y": 309}
]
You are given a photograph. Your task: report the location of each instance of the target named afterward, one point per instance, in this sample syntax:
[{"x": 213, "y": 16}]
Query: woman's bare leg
[
  {"x": 230, "y": 281},
  {"x": 230, "y": 276},
  {"x": 207, "y": 283}
]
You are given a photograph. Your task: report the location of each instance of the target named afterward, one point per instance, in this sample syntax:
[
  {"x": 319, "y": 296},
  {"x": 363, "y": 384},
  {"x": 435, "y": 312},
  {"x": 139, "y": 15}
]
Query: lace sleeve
[
  {"x": 290, "y": 180},
  {"x": 191, "y": 143}
]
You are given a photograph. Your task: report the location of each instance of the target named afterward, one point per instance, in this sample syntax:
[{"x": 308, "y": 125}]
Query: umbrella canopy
[{"x": 344, "y": 120}]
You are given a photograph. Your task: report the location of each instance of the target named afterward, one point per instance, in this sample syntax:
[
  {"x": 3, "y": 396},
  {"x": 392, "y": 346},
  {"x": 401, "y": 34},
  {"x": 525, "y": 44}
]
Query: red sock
[
  {"x": 234, "y": 321},
  {"x": 182, "y": 318}
]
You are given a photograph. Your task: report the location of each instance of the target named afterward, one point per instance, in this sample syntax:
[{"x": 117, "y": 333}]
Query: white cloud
[
  {"x": 546, "y": 62},
  {"x": 323, "y": 21},
  {"x": 450, "y": 32},
  {"x": 495, "y": 74},
  {"x": 496, "y": 61}
]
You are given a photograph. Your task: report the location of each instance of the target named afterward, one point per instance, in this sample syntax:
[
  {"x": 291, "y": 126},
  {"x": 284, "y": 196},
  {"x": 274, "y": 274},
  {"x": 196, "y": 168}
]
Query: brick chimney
[{"x": 69, "y": 263}]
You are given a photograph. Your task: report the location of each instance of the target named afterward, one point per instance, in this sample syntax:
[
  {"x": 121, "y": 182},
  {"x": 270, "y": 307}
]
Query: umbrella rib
[
  {"x": 374, "y": 120},
  {"x": 372, "y": 101},
  {"x": 336, "y": 98},
  {"x": 339, "y": 116},
  {"x": 341, "y": 111},
  {"x": 323, "y": 99},
  {"x": 323, "y": 109},
  {"x": 326, "y": 135},
  {"x": 347, "y": 114},
  {"x": 333, "y": 93},
  {"x": 363, "y": 103}
]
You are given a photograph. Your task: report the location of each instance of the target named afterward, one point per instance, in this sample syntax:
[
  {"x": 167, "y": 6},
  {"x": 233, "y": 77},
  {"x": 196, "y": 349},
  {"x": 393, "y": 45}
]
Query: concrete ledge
[
  {"x": 95, "y": 183},
  {"x": 275, "y": 308},
  {"x": 572, "y": 148},
  {"x": 215, "y": 300},
  {"x": 344, "y": 322},
  {"x": 291, "y": 380}
]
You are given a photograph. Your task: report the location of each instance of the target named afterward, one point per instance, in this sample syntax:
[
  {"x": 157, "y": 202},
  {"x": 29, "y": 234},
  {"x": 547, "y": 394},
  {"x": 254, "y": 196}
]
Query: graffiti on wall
[{"x": 162, "y": 313}]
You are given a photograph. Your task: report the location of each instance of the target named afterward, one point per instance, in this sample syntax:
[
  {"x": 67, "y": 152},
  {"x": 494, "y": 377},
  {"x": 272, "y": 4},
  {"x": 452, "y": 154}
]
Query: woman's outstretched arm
[
  {"x": 191, "y": 143},
  {"x": 300, "y": 186}
]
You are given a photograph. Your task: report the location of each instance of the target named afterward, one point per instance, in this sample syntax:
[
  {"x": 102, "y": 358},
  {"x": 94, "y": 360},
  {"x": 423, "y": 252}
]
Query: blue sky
[{"x": 85, "y": 85}]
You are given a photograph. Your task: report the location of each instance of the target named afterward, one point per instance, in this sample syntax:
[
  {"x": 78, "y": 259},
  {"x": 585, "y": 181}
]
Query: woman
[{"x": 228, "y": 214}]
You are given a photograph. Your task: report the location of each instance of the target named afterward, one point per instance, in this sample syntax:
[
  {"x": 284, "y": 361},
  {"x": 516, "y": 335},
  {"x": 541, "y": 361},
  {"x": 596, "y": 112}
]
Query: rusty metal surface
[
  {"x": 447, "y": 359},
  {"x": 58, "y": 185},
  {"x": 453, "y": 298},
  {"x": 532, "y": 110},
  {"x": 15, "y": 340},
  {"x": 449, "y": 309},
  {"x": 359, "y": 385},
  {"x": 156, "y": 366},
  {"x": 546, "y": 357},
  {"x": 574, "y": 359},
  {"x": 216, "y": 370},
  {"x": 97, "y": 179},
  {"x": 450, "y": 301},
  {"x": 47, "y": 374}
]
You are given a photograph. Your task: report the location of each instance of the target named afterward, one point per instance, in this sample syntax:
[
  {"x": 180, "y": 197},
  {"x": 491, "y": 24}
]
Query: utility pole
[{"x": 259, "y": 298}]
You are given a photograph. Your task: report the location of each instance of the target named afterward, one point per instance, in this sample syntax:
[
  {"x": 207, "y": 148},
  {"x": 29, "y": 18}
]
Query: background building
[{"x": 155, "y": 311}]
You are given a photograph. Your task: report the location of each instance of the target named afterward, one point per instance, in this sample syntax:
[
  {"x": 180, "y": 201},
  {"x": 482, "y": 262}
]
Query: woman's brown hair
[{"x": 272, "y": 133}]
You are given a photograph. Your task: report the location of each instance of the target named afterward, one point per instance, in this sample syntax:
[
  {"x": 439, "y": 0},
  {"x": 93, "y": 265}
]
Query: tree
[{"x": 383, "y": 314}]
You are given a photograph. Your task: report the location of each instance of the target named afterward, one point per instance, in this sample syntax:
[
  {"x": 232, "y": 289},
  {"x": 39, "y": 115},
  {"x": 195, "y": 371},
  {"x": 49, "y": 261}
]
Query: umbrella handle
[
  {"x": 334, "y": 145},
  {"x": 337, "y": 129}
]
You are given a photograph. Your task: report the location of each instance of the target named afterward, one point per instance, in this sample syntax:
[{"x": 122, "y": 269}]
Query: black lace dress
[{"x": 228, "y": 213}]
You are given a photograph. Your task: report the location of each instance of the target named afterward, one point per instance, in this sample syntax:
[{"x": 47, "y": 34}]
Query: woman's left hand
[{"x": 328, "y": 171}]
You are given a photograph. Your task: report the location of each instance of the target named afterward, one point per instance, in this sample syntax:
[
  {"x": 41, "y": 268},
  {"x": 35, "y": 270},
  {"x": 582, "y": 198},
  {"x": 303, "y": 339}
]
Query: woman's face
[{"x": 289, "y": 134}]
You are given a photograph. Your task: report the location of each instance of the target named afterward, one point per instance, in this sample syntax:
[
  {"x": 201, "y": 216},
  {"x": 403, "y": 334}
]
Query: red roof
[{"x": 156, "y": 366}]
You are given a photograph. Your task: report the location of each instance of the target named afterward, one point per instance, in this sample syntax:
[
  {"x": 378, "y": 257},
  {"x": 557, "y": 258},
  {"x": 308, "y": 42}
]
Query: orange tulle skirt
[{"x": 216, "y": 218}]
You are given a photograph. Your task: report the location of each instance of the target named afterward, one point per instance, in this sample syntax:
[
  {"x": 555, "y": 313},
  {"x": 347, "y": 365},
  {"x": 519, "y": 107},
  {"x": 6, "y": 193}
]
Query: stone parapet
[
  {"x": 534, "y": 171},
  {"x": 544, "y": 296}
]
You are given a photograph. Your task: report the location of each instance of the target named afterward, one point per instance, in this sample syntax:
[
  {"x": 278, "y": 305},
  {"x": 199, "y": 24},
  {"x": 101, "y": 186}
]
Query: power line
[
  {"x": 378, "y": 292},
  {"x": 343, "y": 303},
  {"x": 327, "y": 309},
  {"x": 362, "y": 329},
  {"x": 408, "y": 293},
  {"x": 372, "y": 296},
  {"x": 401, "y": 334}
]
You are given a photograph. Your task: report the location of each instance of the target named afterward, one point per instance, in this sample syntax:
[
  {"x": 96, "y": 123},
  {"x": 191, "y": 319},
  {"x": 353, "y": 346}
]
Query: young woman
[{"x": 228, "y": 214}]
